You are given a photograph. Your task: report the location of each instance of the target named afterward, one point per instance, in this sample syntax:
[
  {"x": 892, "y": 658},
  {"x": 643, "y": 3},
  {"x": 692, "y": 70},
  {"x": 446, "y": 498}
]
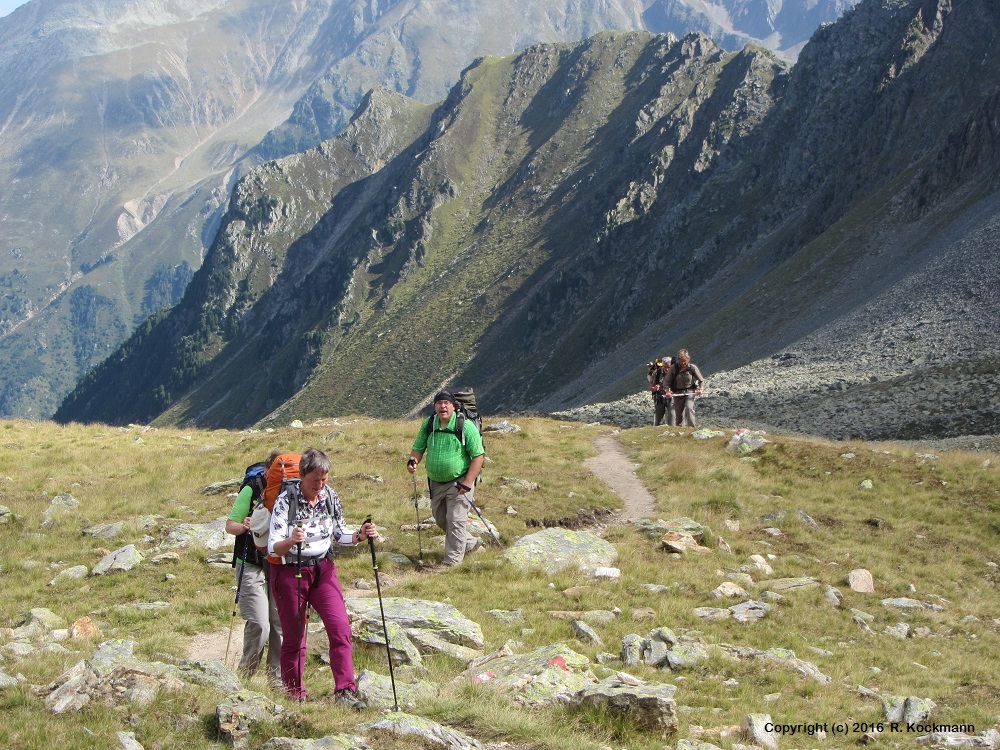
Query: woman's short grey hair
[{"x": 312, "y": 460}]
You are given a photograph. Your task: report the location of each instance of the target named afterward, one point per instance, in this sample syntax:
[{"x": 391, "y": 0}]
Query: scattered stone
[
  {"x": 210, "y": 536},
  {"x": 438, "y": 618},
  {"x": 38, "y": 623},
  {"x": 127, "y": 741},
  {"x": 833, "y": 596},
  {"x": 861, "y": 581},
  {"x": 632, "y": 650},
  {"x": 675, "y": 541},
  {"x": 106, "y": 531},
  {"x": 905, "y": 603},
  {"x": 507, "y": 616},
  {"x": 6, "y": 515},
  {"x": 789, "y": 584},
  {"x": 651, "y": 706},
  {"x": 503, "y": 427},
  {"x": 520, "y": 485},
  {"x": 585, "y": 633},
  {"x": 749, "y": 611},
  {"x": 900, "y": 630},
  {"x": 609, "y": 573},
  {"x": 910, "y": 710},
  {"x": 165, "y": 557},
  {"x": 757, "y": 562},
  {"x": 61, "y": 504},
  {"x": 729, "y": 590},
  {"x": 556, "y": 549},
  {"x": 69, "y": 575},
  {"x": 240, "y": 711},
  {"x": 407, "y": 725},
  {"x": 123, "y": 559},
  {"x": 686, "y": 654},
  {"x": 753, "y": 729},
  {"x": 547, "y": 675},
  {"x": 712, "y": 614},
  {"x": 866, "y": 484},
  {"x": 84, "y": 628},
  {"x": 376, "y": 690}
]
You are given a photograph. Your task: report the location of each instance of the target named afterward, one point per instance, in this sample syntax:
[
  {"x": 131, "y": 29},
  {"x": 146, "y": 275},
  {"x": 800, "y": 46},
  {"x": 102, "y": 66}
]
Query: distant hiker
[
  {"x": 257, "y": 607},
  {"x": 306, "y": 519},
  {"x": 656, "y": 373},
  {"x": 683, "y": 382},
  {"x": 453, "y": 463}
]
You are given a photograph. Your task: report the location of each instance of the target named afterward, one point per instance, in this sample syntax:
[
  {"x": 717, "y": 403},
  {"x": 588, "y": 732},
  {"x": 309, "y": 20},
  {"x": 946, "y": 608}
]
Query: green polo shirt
[{"x": 445, "y": 457}]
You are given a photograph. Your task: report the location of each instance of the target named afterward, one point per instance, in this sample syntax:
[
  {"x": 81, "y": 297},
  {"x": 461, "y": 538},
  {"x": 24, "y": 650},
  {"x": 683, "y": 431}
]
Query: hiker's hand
[
  {"x": 298, "y": 535},
  {"x": 246, "y": 523},
  {"x": 411, "y": 465},
  {"x": 699, "y": 391},
  {"x": 367, "y": 531}
]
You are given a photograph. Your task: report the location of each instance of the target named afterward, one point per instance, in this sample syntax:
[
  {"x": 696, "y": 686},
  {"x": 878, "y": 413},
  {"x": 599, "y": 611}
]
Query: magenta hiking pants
[{"x": 321, "y": 589}]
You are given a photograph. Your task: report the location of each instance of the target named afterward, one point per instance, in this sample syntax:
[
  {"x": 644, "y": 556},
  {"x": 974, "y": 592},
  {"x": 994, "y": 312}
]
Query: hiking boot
[
  {"x": 476, "y": 544},
  {"x": 350, "y": 698}
]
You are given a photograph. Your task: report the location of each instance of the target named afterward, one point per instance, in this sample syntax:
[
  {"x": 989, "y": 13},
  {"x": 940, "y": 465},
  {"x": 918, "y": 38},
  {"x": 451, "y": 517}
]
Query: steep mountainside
[
  {"x": 125, "y": 123},
  {"x": 572, "y": 211}
]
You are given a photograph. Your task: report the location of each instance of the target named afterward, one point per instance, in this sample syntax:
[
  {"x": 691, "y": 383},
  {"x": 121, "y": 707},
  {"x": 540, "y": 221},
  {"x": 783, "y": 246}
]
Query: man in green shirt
[{"x": 453, "y": 462}]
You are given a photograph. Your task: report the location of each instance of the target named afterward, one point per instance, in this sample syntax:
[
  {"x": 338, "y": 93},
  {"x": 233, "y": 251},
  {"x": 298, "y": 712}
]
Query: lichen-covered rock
[
  {"x": 546, "y": 675},
  {"x": 650, "y": 706},
  {"x": 443, "y": 620},
  {"x": 240, "y": 711},
  {"x": 376, "y": 690},
  {"x": 556, "y": 549},
  {"x": 211, "y": 536},
  {"x": 123, "y": 559},
  {"x": 408, "y": 725}
]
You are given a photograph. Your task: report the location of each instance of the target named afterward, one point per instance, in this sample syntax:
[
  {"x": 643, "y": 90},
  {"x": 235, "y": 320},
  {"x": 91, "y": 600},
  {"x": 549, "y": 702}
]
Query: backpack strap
[{"x": 458, "y": 432}]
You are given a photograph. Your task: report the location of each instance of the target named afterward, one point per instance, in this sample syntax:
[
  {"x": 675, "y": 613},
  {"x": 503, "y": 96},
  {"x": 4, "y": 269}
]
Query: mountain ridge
[
  {"x": 761, "y": 186},
  {"x": 124, "y": 125}
]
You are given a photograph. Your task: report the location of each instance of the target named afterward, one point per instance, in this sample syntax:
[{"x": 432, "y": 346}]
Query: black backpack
[{"x": 244, "y": 548}]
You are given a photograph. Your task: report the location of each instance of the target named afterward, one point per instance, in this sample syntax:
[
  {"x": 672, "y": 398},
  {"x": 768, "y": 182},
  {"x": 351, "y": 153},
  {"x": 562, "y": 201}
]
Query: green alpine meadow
[{"x": 789, "y": 524}]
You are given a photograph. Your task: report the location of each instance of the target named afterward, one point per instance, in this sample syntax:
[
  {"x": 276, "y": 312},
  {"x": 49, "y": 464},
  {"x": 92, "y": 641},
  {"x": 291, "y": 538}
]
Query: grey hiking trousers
[
  {"x": 262, "y": 629},
  {"x": 451, "y": 513}
]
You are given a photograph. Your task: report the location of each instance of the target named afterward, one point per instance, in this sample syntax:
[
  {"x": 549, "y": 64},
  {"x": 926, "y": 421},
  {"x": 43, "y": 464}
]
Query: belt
[{"x": 307, "y": 562}]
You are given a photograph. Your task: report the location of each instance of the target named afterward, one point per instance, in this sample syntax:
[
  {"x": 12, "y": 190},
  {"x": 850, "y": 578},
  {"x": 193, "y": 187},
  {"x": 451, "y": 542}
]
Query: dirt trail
[{"x": 612, "y": 466}]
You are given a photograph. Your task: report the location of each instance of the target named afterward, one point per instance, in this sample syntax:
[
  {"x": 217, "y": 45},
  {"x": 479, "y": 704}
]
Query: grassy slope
[{"x": 940, "y": 532}]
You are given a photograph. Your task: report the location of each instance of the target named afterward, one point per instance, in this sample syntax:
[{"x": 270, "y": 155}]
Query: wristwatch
[{"x": 463, "y": 487}]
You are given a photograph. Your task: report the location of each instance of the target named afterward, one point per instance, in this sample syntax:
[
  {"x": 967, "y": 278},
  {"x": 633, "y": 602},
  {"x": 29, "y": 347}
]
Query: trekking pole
[
  {"x": 416, "y": 509},
  {"x": 303, "y": 633},
  {"x": 385, "y": 629},
  {"x": 485, "y": 522},
  {"x": 236, "y": 603}
]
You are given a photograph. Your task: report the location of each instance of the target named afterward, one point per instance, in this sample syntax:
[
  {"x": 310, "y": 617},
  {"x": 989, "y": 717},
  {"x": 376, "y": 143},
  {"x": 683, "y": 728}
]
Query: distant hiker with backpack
[
  {"x": 656, "y": 375},
  {"x": 257, "y": 607},
  {"x": 307, "y": 518},
  {"x": 683, "y": 382},
  {"x": 453, "y": 447}
]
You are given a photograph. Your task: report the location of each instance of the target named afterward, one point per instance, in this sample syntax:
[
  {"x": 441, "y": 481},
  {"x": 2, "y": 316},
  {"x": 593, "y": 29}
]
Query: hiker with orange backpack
[
  {"x": 453, "y": 464},
  {"x": 253, "y": 596},
  {"x": 306, "y": 519}
]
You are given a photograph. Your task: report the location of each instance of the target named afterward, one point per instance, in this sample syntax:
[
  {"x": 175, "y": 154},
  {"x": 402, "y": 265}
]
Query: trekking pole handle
[{"x": 371, "y": 544}]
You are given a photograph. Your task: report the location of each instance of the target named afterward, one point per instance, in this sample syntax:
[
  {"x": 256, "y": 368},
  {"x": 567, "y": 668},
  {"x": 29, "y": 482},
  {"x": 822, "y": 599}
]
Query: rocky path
[{"x": 612, "y": 466}]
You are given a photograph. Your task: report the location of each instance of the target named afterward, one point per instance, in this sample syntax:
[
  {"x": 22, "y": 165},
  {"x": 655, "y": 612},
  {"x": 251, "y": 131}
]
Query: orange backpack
[{"x": 285, "y": 467}]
